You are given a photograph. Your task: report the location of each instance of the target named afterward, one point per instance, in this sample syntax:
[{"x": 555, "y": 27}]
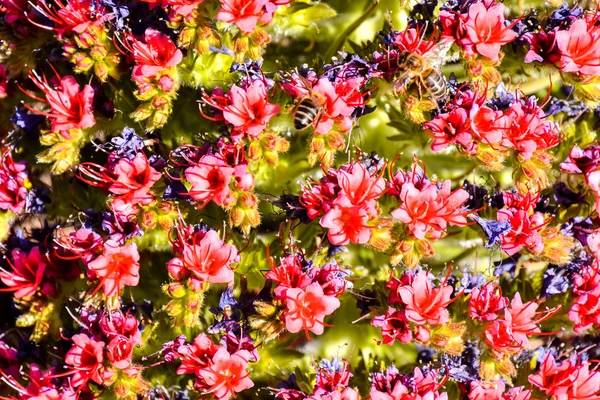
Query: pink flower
[
  {"x": 119, "y": 351},
  {"x": 585, "y": 311},
  {"x": 579, "y": 48},
  {"x": 485, "y": 303},
  {"x": 524, "y": 231},
  {"x": 227, "y": 374},
  {"x": 306, "y": 309},
  {"x": 85, "y": 357},
  {"x": 210, "y": 179},
  {"x": 116, "y": 267},
  {"x": 27, "y": 274},
  {"x": 246, "y": 14},
  {"x": 69, "y": 107},
  {"x": 360, "y": 187},
  {"x": 197, "y": 356},
  {"x": 499, "y": 336},
  {"x": 426, "y": 304},
  {"x": 210, "y": 260},
  {"x": 133, "y": 180},
  {"x": 568, "y": 380},
  {"x": 524, "y": 318},
  {"x": 486, "y": 30},
  {"x": 155, "y": 53},
  {"x": 429, "y": 210},
  {"x": 517, "y": 393},
  {"x": 3, "y": 80},
  {"x": 486, "y": 390},
  {"x": 249, "y": 110},
  {"x": 411, "y": 40},
  {"x": 288, "y": 274},
  {"x": 13, "y": 181},
  {"x": 394, "y": 326},
  {"x": 346, "y": 223}
]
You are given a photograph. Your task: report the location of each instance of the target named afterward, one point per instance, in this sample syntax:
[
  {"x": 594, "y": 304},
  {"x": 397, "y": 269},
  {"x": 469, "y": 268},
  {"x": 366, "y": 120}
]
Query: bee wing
[
  {"x": 437, "y": 56},
  {"x": 400, "y": 84}
]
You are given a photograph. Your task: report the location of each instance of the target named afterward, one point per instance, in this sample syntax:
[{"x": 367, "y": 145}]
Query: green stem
[
  {"x": 537, "y": 85},
  {"x": 337, "y": 44}
]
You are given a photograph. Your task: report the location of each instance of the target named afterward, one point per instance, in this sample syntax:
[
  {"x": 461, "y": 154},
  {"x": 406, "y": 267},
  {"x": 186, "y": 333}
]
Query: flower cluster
[{"x": 274, "y": 199}]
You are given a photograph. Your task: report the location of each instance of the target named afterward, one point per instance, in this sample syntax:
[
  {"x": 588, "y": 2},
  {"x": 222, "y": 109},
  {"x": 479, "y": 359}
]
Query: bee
[
  {"x": 309, "y": 111},
  {"x": 424, "y": 72}
]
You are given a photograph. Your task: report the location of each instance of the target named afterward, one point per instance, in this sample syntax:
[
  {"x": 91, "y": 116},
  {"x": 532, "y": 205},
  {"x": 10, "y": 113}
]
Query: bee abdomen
[
  {"x": 305, "y": 114},
  {"x": 436, "y": 84}
]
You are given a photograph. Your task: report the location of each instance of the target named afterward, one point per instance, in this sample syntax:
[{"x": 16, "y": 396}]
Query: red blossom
[
  {"x": 485, "y": 303},
  {"x": 579, "y": 47},
  {"x": 13, "y": 182},
  {"x": 155, "y": 53},
  {"x": 486, "y": 31},
  {"x": 227, "y": 374},
  {"x": 346, "y": 223},
  {"x": 568, "y": 380},
  {"x": 288, "y": 275},
  {"x": 429, "y": 210},
  {"x": 211, "y": 259},
  {"x": 394, "y": 326},
  {"x": 411, "y": 40},
  {"x": 246, "y": 14},
  {"x": 27, "y": 276},
  {"x": 116, "y": 267},
  {"x": 210, "y": 179},
  {"x": 134, "y": 178},
  {"x": 426, "y": 304},
  {"x": 249, "y": 110},
  {"x": 197, "y": 356},
  {"x": 70, "y": 108},
  {"x": 306, "y": 308},
  {"x": 85, "y": 358}
]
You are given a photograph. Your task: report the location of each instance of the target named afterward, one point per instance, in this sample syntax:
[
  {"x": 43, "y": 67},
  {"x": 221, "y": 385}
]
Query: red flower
[
  {"x": 13, "y": 182},
  {"x": 246, "y": 14},
  {"x": 3, "y": 80},
  {"x": 555, "y": 379},
  {"x": 524, "y": 318},
  {"x": 524, "y": 232},
  {"x": 394, "y": 326},
  {"x": 211, "y": 259},
  {"x": 134, "y": 178},
  {"x": 486, "y": 30},
  {"x": 288, "y": 275},
  {"x": 306, "y": 309},
  {"x": 426, "y": 304},
  {"x": 85, "y": 357},
  {"x": 210, "y": 179},
  {"x": 429, "y": 210},
  {"x": 249, "y": 110},
  {"x": 486, "y": 390},
  {"x": 227, "y": 374},
  {"x": 499, "y": 336},
  {"x": 346, "y": 223},
  {"x": 517, "y": 393},
  {"x": 69, "y": 107},
  {"x": 155, "y": 53},
  {"x": 360, "y": 187},
  {"x": 27, "y": 274},
  {"x": 585, "y": 311},
  {"x": 485, "y": 303},
  {"x": 117, "y": 267},
  {"x": 579, "y": 47},
  {"x": 197, "y": 356},
  {"x": 411, "y": 40},
  {"x": 119, "y": 351}
]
